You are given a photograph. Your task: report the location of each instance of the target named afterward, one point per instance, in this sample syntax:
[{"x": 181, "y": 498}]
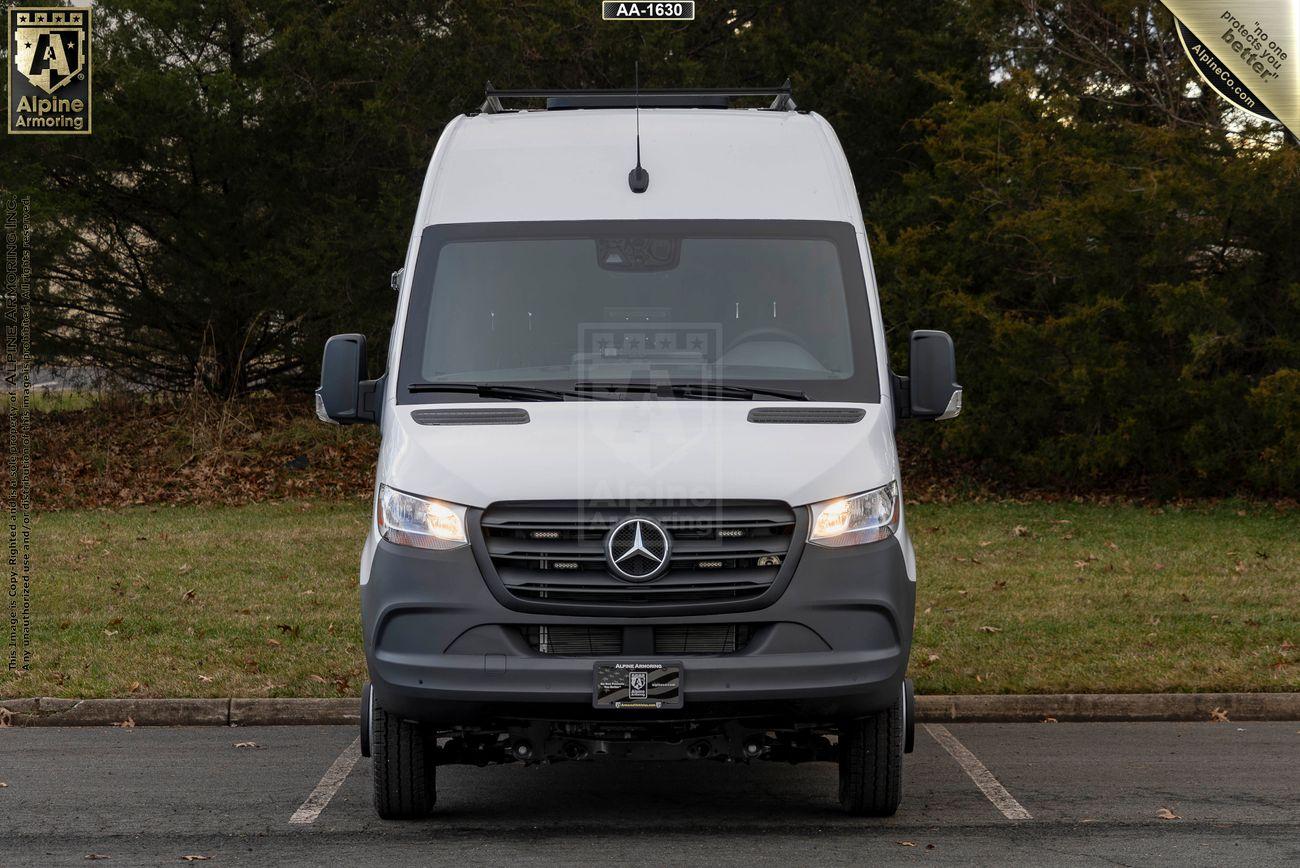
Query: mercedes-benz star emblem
[{"x": 637, "y": 550}]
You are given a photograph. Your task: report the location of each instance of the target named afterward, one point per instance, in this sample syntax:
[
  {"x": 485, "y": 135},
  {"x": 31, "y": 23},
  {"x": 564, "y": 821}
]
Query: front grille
[
  {"x": 575, "y": 641},
  {"x": 554, "y": 550},
  {"x": 701, "y": 638},
  {"x": 570, "y": 640}
]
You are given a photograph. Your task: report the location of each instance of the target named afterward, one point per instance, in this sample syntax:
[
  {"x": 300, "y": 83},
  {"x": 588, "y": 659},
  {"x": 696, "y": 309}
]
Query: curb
[
  {"x": 46, "y": 711},
  {"x": 1107, "y": 707},
  {"x": 1031, "y": 708}
]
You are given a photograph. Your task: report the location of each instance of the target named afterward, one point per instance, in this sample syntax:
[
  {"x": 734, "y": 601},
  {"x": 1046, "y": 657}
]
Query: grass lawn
[{"x": 261, "y": 600}]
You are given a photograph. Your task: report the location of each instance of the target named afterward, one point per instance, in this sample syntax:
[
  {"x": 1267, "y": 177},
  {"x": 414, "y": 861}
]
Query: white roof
[{"x": 703, "y": 164}]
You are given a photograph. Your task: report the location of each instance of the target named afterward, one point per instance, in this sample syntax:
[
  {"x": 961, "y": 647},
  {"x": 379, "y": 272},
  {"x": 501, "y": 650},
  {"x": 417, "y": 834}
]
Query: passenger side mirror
[
  {"x": 932, "y": 376},
  {"x": 345, "y": 396}
]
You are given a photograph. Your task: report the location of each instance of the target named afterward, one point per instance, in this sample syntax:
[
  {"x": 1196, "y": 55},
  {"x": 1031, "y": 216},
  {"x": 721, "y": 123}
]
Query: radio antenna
[{"x": 638, "y": 179}]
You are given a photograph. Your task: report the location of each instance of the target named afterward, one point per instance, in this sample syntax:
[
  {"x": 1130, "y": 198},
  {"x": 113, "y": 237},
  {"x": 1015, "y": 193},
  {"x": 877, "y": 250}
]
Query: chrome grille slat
[
  {"x": 649, "y": 588},
  {"x": 513, "y": 576}
]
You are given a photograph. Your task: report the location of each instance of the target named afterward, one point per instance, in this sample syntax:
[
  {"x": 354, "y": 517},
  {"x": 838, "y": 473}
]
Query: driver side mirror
[
  {"x": 345, "y": 396},
  {"x": 933, "y": 390}
]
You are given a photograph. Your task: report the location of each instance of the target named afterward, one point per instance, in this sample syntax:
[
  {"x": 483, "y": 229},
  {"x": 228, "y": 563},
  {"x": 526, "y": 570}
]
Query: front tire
[
  {"x": 404, "y": 770},
  {"x": 871, "y": 763}
]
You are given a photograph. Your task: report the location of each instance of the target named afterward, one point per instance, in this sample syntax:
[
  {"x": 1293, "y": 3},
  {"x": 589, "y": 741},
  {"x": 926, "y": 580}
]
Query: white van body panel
[
  {"x": 639, "y": 450},
  {"x": 703, "y": 164},
  {"x": 573, "y": 165}
]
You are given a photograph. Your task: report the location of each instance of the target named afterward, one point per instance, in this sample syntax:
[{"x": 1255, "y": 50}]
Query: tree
[
  {"x": 255, "y": 165},
  {"x": 1115, "y": 254}
]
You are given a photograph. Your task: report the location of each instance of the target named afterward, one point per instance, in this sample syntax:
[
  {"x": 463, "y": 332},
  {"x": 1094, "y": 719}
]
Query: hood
[{"x": 637, "y": 450}]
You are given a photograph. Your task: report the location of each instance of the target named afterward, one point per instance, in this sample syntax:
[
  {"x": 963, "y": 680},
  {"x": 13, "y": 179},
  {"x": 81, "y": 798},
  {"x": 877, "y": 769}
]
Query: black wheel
[
  {"x": 871, "y": 763},
  {"x": 405, "y": 774}
]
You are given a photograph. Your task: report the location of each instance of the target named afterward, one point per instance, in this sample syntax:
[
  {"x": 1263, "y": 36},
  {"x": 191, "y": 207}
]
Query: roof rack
[{"x": 690, "y": 97}]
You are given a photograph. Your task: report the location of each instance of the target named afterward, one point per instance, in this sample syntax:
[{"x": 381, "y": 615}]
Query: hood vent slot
[
  {"x": 472, "y": 416},
  {"x": 806, "y": 415}
]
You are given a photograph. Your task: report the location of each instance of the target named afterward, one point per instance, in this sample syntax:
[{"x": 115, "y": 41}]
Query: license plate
[{"x": 633, "y": 685}]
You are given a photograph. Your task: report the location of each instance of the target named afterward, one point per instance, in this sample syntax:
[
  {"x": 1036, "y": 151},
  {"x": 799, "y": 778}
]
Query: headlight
[
  {"x": 420, "y": 521},
  {"x": 851, "y": 521}
]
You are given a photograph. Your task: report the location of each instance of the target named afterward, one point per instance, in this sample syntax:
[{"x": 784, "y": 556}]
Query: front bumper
[{"x": 442, "y": 648}]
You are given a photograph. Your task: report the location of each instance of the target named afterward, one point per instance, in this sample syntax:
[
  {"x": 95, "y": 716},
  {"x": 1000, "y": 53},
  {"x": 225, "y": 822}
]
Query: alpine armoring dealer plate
[{"x": 638, "y": 685}]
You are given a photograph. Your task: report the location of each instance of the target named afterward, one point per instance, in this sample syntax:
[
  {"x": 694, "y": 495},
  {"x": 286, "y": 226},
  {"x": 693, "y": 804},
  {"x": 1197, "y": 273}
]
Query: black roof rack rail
[{"x": 686, "y": 97}]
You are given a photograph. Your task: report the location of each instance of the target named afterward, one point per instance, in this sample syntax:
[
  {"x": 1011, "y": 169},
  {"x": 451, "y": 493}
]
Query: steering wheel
[{"x": 766, "y": 331}]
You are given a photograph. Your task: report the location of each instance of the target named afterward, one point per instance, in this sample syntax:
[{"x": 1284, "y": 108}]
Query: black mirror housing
[
  {"x": 346, "y": 396},
  {"x": 934, "y": 392}
]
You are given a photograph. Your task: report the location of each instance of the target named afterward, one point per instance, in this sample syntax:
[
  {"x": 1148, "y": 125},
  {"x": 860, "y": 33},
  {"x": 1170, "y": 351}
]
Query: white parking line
[
  {"x": 983, "y": 778},
  {"x": 334, "y": 777}
]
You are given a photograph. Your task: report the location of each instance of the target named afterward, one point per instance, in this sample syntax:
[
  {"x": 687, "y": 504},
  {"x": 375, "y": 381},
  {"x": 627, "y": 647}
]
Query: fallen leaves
[
  {"x": 251, "y": 745},
  {"x": 233, "y": 460},
  {"x": 194, "y": 857},
  {"x": 1166, "y": 814},
  {"x": 129, "y": 723},
  {"x": 3, "y": 784},
  {"x": 987, "y": 629},
  {"x": 1020, "y": 530},
  {"x": 1219, "y": 715},
  {"x": 6, "y": 717},
  {"x": 905, "y": 843}
]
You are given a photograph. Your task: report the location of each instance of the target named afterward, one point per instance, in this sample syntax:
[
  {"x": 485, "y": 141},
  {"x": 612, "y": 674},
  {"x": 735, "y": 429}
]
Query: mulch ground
[{"x": 127, "y": 451}]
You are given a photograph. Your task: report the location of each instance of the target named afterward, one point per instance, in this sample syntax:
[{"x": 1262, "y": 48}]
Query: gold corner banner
[{"x": 1247, "y": 51}]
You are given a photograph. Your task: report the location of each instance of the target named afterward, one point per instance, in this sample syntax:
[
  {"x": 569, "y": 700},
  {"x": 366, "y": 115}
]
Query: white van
[{"x": 638, "y": 494}]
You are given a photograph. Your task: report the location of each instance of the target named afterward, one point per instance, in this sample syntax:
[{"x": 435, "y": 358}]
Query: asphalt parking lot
[{"x": 974, "y": 794}]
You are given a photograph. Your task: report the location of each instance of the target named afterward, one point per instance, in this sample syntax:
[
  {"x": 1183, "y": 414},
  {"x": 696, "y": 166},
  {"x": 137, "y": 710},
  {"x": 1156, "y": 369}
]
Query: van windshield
[{"x": 745, "y": 303}]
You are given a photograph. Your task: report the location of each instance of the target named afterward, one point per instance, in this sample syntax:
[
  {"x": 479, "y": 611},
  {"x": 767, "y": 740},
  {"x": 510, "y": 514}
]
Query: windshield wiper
[
  {"x": 506, "y": 391},
  {"x": 703, "y": 391}
]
